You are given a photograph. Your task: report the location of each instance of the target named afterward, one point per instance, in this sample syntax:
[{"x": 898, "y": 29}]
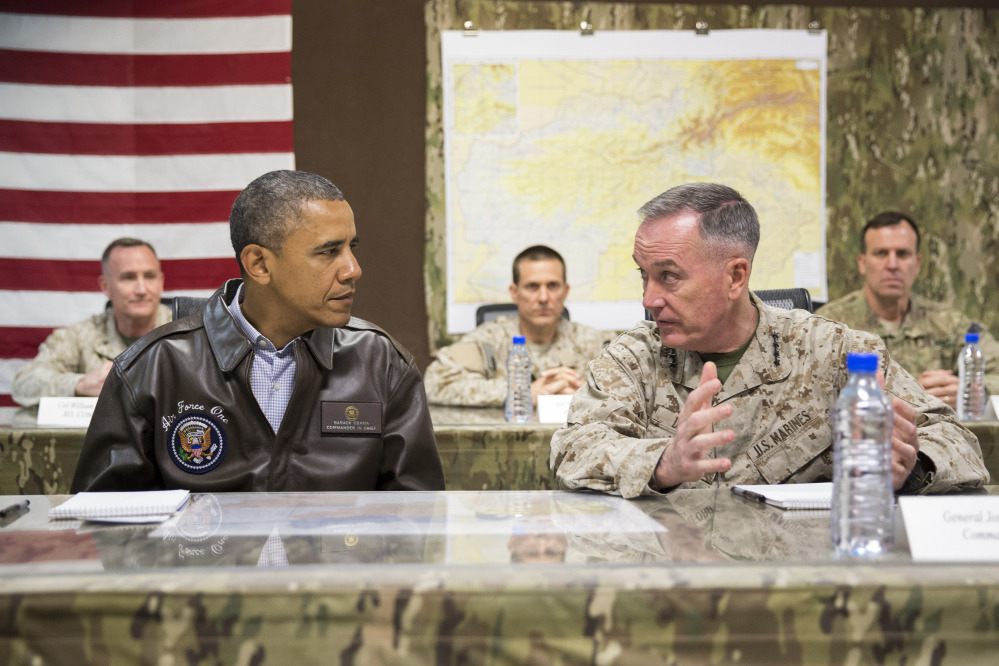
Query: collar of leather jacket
[{"x": 229, "y": 345}]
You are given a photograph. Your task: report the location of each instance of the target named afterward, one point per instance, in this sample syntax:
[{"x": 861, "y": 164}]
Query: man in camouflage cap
[
  {"x": 472, "y": 371},
  {"x": 74, "y": 361},
  {"x": 924, "y": 336},
  {"x": 644, "y": 422}
]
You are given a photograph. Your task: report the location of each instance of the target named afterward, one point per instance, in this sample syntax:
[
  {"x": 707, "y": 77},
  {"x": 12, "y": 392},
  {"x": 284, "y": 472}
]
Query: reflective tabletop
[
  {"x": 446, "y": 528},
  {"x": 460, "y": 577}
]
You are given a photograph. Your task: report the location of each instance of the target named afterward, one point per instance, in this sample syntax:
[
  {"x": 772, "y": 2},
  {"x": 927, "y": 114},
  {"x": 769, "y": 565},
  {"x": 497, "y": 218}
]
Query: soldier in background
[
  {"x": 924, "y": 336},
  {"x": 644, "y": 422},
  {"x": 472, "y": 372},
  {"x": 74, "y": 361}
]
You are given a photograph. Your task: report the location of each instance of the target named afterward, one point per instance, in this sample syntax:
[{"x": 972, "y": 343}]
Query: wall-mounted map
[{"x": 558, "y": 138}]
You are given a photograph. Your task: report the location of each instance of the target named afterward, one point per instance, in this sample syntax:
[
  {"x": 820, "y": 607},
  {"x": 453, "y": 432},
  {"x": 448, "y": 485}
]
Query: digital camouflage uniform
[
  {"x": 71, "y": 352},
  {"x": 472, "y": 372},
  {"x": 930, "y": 337},
  {"x": 781, "y": 390}
]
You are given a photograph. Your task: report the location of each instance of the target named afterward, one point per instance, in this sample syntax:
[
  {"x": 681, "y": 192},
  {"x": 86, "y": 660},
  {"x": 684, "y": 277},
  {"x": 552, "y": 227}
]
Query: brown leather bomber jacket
[{"x": 177, "y": 411}]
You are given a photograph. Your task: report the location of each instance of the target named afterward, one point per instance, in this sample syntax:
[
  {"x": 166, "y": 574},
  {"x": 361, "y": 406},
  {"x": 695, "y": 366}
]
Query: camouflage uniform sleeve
[
  {"x": 953, "y": 450},
  {"x": 55, "y": 371},
  {"x": 465, "y": 374},
  {"x": 601, "y": 447}
]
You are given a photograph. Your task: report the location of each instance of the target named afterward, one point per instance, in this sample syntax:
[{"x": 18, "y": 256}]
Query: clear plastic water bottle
[
  {"x": 862, "y": 518},
  {"x": 519, "y": 406},
  {"x": 971, "y": 380}
]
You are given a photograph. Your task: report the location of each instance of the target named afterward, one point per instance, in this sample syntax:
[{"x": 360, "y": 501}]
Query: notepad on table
[
  {"x": 151, "y": 505},
  {"x": 790, "y": 495}
]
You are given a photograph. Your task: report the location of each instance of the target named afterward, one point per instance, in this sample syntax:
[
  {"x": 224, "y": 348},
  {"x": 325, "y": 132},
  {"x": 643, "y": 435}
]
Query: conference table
[
  {"x": 477, "y": 577},
  {"x": 479, "y": 450}
]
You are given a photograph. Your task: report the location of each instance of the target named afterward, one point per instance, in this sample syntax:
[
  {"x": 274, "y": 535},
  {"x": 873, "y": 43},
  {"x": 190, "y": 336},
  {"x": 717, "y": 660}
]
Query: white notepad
[
  {"x": 790, "y": 495},
  {"x": 121, "y": 505}
]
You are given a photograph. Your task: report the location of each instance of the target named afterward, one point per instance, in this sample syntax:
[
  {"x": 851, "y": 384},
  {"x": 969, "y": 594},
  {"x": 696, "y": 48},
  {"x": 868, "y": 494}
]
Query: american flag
[{"x": 124, "y": 118}]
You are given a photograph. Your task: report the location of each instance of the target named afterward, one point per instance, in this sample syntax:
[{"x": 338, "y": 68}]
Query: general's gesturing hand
[{"x": 685, "y": 458}]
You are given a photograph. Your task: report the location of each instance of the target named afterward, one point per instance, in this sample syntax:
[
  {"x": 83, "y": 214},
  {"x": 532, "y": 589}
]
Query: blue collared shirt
[{"x": 272, "y": 377}]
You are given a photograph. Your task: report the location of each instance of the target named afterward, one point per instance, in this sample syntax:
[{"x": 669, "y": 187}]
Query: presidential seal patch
[{"x": 197, "y": 443}]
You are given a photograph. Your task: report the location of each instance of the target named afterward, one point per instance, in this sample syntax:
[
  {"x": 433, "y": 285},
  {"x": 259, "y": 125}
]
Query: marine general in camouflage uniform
[
  {"x": 645, "y": 420},
  {"x": 75, "y": 360},
  {"x": 924, "y": 336},
  {"x": 472, "y": 371}
]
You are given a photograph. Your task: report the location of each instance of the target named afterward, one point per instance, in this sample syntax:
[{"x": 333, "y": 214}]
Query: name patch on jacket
[
  {"x": 197, "y": 443},
  {"x": 351, "y": 418},
  {"x": 773, "y": 441}
]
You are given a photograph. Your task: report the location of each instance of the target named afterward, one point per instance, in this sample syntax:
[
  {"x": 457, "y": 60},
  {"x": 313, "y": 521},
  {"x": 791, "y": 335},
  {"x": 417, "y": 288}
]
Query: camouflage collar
[
  {"x": 113, "y": 343},
  {"x": 761, "y": 364},
  {"x": 230, "y": 345}
]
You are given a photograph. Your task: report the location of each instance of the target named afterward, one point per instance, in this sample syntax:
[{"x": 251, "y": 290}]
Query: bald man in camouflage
[
  {"x": 721, "y": 389},
  {"x": 472, "y": 372},
  {"x": 924, "y": 336}
]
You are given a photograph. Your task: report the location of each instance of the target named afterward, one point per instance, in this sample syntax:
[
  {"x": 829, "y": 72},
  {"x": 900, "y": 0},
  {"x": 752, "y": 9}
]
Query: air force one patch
[{"x": 197, "y": 443}]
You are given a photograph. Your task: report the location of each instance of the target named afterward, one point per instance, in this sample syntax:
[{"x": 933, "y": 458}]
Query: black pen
[{"x": 16, "y": 506}]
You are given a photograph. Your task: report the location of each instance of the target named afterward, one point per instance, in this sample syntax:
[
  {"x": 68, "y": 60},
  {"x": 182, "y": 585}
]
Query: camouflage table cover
[
  {"x": 479, "y": 451},
  {"x": 537, "y": 577}
]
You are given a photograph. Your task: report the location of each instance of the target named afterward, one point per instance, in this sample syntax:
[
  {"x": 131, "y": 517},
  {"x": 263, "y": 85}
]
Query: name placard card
[
  {"x": 553, "y": 408},
  {"x": 961, "y": 528},
  {"x": 66, "y": 412}
]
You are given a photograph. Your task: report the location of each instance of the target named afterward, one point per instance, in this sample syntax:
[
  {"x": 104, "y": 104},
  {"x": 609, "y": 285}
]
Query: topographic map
[{"x": 556, "y": 138}]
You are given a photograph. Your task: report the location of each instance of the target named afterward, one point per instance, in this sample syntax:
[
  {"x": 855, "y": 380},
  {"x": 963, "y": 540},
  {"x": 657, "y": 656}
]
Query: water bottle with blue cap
[
  {"x": 519, "y": 405},
  {"x": 862, "y": 517},
  {"x": 971, "y": 380}
]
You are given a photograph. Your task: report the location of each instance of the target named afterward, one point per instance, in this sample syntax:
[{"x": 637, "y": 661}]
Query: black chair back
[
  {"x": 489, "y": 312},
  {"x": 789, "y": 299},
  {"x": 187, "y": 305}
]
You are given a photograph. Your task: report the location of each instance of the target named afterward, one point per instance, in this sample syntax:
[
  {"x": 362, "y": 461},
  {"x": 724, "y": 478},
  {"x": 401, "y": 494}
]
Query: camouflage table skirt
[
  {"x": 721, "y": 615},
  {"x": 718, "y": 581},
  {"x": 496, "y": 456}
]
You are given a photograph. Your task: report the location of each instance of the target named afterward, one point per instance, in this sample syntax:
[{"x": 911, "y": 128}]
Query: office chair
[
  {"x": 164, "y": 300},
  {"x": 489, "y": 312},
  {"x": 187, "y": 305},
  {"x": 789, "y": 299}
]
